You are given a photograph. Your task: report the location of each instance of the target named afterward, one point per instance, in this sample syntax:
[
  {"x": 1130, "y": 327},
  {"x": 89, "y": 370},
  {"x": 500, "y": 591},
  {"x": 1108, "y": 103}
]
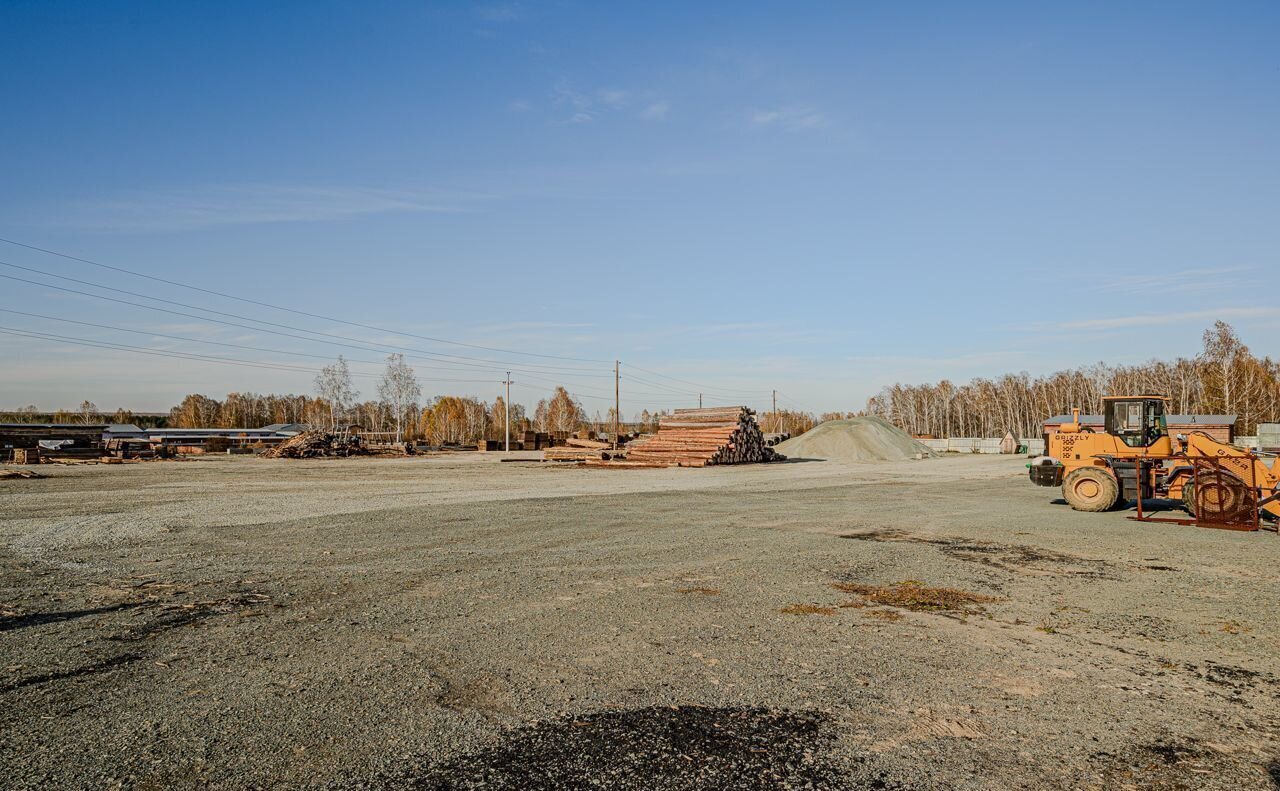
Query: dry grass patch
[
  {"x": 1235, "y": 627},
  {"x": 807, "y": 609},
  {"x": 915, "y": 595},
  {"x": 884, "y": 615},
  {"x": 703, "y": 591}
]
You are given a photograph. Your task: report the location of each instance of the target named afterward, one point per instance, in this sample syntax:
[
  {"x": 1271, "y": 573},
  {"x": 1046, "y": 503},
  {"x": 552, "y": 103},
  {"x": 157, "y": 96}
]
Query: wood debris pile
[
  {"x": 7, "y": 474},
  {"x": 315, "y": 444},
  {"x": 703, "y": 437}
]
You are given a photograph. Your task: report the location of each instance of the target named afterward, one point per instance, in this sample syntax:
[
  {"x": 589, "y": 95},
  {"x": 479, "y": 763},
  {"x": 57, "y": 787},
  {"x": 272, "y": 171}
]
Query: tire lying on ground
[{"x": 1091, "y": 489}]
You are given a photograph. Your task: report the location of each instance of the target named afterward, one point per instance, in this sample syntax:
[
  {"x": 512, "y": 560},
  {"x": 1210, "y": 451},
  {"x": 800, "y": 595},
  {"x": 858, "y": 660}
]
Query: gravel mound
[
  {"x": 867, "y": 438},
  {"x": 650, "y": 749}
]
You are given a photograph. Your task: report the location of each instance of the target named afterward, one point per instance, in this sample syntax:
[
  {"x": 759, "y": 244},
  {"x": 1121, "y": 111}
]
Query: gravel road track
[{"x": 456, "y": 622}]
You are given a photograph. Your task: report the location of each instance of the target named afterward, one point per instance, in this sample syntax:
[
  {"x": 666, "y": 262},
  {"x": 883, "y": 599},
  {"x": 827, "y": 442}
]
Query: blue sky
[{"x": 820, "y": 198}]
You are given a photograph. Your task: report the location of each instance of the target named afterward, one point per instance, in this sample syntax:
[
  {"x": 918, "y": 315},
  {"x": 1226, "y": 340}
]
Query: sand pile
[{"x": 866, "y": 438}]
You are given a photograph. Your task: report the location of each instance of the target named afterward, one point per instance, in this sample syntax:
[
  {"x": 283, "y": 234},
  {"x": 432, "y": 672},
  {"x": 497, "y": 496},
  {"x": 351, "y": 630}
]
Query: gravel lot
[{"x": 456, "y": 622}]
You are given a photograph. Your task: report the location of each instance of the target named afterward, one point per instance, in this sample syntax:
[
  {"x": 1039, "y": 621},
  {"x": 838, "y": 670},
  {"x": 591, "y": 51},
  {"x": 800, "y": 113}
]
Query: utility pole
[
  {"x": 506, "y": 418},
  {"x": 777, "y": 421},
  {"x": 617, "y": 400},
  {"x": 699, "y": 400}
]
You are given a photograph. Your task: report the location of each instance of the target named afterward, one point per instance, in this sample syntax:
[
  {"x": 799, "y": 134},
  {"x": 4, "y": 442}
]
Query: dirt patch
[
  {"x": 702, "y": 591},
  {"x": 807, "y": 609},
  {"x": 677, "y": 747},
  {"x": 1178, "y": 763},
  {"x": 884, "y": 615},
  {"x": 1007, "y": 557},
  {"x": 914, "y": 595}
]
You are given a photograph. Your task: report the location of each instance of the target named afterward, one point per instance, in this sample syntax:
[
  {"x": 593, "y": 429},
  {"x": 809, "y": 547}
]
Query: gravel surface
[{"x": 456, "y": 622}]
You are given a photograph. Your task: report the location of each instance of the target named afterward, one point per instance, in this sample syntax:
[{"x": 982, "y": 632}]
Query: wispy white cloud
[
  {"x": 612, "y": 97},
  {"x": 789, "y": 118},
  {"x": 654, "y": 111},
  {"x": 583, "y": 106},
  {"x": 499, "y": 12},
  {"x": 199, "y": 207},
  {"x": 1158, "y": 319},
  {"x": 1173, "y": 282}
]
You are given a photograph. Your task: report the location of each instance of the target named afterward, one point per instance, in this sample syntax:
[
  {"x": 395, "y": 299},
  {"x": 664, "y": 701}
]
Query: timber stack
[{"x": 703, "y": 437}]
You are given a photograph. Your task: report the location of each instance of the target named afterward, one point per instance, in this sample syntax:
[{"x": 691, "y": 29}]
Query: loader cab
[{"x": 1137, "y": 421}]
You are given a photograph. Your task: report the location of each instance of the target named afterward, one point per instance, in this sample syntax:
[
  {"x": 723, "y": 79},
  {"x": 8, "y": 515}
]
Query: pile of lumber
[
  {"x": 570, "y": 453},
  {"x": 7, "y": 474},
  {"x": 703, "y": 437},
  {"x": 314, "y": 444}
]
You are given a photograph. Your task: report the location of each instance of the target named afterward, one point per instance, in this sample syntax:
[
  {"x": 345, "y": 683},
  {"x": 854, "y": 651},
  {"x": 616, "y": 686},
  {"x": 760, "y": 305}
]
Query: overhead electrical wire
[
  {"x": 701, "y": 388},
  {"x": 369, "y": 346},
  {"x": 443, "y": 356},
  {"x": 713, "y": 394},
  {"x": 235, "y": 345},
  {"x": 293, "y": 310},
  {"x": 187, "y": 355}
]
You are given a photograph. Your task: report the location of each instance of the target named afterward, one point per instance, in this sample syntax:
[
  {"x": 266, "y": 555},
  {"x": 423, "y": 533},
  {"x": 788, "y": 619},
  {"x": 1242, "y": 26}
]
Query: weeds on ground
[
  {"x": 915, "y": 595},
  {"x": 1051, "y": 625},
  {"x": 884, "y": 615},
  {"x": 807, "y": 609},
  {"x": 703, "y": 591},
  {"x": 1235, "y": 627}
]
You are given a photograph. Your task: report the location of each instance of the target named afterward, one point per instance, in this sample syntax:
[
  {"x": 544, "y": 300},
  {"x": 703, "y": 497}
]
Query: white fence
[
  {"x": 980, "y": 445},
  {"x": 1034, "y": 447}
]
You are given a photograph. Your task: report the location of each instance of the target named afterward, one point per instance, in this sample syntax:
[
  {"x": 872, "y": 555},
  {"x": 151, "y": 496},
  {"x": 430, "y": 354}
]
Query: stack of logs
[
  {"x": 580, "y": 449},
  {"x": 702, "y": 437}
]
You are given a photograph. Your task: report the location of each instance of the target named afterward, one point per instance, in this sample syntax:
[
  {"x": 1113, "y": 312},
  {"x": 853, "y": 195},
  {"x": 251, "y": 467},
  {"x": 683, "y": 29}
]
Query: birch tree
[
  {"x": 333, "y": 384},
  {"x": 399, "y": 389}
]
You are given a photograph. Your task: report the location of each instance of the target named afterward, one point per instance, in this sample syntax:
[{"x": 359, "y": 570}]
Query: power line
[
  {"x": 293, "y": 310},
  {"x": 369, "y": 346},
  {"x": 230, "y": 345},
  {"x": 189, "y": 355},
  {"x": 701, "y": 388},
  {"x": 434, "y": 355}
]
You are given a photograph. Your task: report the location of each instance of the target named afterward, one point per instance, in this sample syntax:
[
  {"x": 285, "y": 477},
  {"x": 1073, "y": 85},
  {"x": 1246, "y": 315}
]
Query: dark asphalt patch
[{"x": 684, "y": 747}]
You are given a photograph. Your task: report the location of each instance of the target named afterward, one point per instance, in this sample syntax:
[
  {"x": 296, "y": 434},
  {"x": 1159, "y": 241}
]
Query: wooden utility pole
[
  {"x": 699, "y": 400},
  {"x": 777, "y": 421},
  {"x": 506, "y": 418},
  {"x": 617, "y": 400}
]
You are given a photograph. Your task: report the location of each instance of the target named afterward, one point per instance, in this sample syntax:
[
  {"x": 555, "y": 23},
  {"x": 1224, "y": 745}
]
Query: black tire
[
  {"x": 1091, "y": 489},
  {"x": 1223, "y": 498},
  {"x": 1189, "y": 497}
]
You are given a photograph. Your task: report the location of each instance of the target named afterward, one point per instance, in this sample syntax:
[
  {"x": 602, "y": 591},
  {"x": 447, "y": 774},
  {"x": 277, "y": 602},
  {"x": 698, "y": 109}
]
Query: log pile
[
  {"x": 703, "y": 437},
  {"x": 570, "y": 453}
]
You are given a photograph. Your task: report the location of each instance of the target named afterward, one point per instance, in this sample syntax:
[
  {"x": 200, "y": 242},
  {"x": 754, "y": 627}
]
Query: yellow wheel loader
[{"x": 1135, "y": 459}]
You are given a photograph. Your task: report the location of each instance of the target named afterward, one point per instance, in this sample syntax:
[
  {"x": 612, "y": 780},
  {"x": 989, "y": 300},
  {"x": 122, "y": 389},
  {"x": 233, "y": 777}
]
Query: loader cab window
[{"x": 1137, "y": 423}]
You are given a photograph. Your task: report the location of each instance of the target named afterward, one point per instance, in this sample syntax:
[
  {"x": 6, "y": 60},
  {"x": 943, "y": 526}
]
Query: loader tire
[
  {"x": 1091, "y": 489},
  {"x": 1189, "y": 498}
]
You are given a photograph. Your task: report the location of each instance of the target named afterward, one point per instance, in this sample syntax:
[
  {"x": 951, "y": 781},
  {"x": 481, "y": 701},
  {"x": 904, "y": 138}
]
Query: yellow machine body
[{"x": 1134, "y": 458}]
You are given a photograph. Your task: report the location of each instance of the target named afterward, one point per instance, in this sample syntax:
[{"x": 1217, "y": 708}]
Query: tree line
[
  {"x": 398, "y": 410},
  {"x": 1225, "y": 378}
]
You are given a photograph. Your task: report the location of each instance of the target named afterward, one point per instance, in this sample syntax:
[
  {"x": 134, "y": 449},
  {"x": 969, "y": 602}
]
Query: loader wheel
[
  {"x": 1091, "y": 489},
  {"x": 1222, "y": 497},
  {"x": 1189, "y": 498}
]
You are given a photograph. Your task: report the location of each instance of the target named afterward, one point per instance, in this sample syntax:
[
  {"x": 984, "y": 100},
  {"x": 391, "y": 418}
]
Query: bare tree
[
  {"x": 333, "y": 384},
  {"x": 399, "y": 388},
  {"x": 88, "y": 412}
]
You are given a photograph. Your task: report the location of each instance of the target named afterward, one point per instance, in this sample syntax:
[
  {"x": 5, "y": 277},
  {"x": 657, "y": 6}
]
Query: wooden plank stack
[{"x": 703, "y": 437}]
